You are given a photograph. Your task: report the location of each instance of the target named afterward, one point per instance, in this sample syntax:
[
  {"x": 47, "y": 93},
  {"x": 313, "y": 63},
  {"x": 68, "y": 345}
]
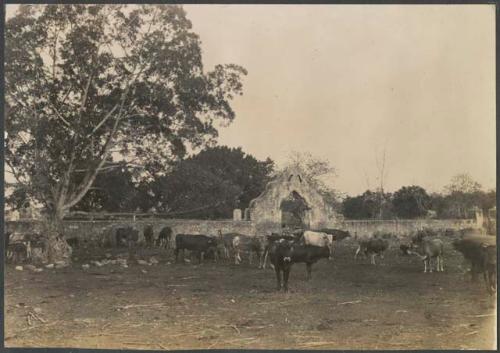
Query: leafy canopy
[{"x": 87, "y": 85}]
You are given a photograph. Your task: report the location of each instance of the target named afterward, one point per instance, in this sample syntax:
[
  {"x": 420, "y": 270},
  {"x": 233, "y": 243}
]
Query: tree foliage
[
  {"x": 211, "y": 184},
  {"x": 411, "y": 202},
  {"x": 113, "y": 191},
  {"x": 87, "y": 83},
  {"x": 369, "y": 205}
]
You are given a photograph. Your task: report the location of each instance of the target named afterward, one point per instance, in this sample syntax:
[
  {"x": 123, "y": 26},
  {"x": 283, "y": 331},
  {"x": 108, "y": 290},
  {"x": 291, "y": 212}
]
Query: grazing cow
[
  {"x": 319, "y": 239},
  {"x": 18, "y": 251},
  {"x": 372, "y": 246},
  {"x": 249, "y": 244},
  {"x": 198, "y": 243},
  {"x": 128, "y": 236},
  {"x": 285, "y": 253},
  {"x": 148, "y": 235},
  {"x": 164, "y": 238},
  {"x": 427, "y": 249},
  {"x": 480, "y": 251},
  {"x": 226, "y": 243}
]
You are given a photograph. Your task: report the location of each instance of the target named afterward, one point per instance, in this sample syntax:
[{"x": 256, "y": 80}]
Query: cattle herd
[{"x": 296, "y": 246}]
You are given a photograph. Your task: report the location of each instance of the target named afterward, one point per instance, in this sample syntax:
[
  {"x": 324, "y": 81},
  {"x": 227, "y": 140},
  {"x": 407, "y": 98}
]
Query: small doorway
[{"x": 293, "y": 211}]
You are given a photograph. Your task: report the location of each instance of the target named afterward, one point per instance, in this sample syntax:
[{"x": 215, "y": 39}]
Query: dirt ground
[{"x": 346, "y": 305}]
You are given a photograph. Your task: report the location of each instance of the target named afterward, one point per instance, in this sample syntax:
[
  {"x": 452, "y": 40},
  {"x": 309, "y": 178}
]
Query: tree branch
[{"x": 103, "y": 120}]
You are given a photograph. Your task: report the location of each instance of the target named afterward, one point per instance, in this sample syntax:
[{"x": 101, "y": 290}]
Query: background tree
[
  {"x": 461, "y": 195},
  {"x": 211, "y": 183},
  {"x": 319, "y": 173},
  {"x": 113, "y": 190},
  {"x": 411, "y": 202},
  {"x": 368, "y": 206},
  {"x": 84, "y": 83}
]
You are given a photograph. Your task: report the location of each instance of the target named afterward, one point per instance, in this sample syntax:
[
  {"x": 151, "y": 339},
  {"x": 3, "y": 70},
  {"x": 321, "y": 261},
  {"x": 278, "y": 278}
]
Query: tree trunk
[{"x": 57, "y": 249}]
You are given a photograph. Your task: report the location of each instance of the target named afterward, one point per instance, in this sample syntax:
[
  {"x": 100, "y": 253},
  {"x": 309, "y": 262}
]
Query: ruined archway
[{"x": 294, "y": 210}]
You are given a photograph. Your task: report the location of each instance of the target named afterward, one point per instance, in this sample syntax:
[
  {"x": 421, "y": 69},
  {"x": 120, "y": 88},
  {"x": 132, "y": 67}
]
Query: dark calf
[
  {"x": 164, "y": 238},
  {"x": 284, "y": 254},
  {"x": 309, "y": 255},
  {"x": 270, "y": 239},
  {"x": 372, "y": 246},
  {"x": 148, "y": 235},
  {"x": 280, "y": 253},
  {"x": 198, "y": 243}
]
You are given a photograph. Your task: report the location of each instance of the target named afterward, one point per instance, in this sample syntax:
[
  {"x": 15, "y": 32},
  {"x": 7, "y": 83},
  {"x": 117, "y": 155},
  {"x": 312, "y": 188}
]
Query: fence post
[{"x": 133, "y": 217}]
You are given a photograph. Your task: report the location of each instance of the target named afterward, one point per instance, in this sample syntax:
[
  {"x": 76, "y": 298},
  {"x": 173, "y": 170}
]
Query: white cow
[{"x": 319, "y": 239}]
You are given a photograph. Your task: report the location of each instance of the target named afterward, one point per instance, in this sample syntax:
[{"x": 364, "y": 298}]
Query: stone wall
[
  {"x": 403, "y": 227},
  {"x": 99, "y": 231}
]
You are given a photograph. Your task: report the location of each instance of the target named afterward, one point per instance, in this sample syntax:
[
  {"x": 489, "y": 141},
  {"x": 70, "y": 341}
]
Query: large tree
[
  {"x": 411, "y": 202},
  {"x": 85, "y": 83},
  {"x": 211, "y": 183},
  {"x": 461, "y": 195},
  {"x": 368, "y": 206}
]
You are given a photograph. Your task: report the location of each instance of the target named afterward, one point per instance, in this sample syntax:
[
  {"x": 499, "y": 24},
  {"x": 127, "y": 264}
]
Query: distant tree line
[{"x": 457, "y": 200}]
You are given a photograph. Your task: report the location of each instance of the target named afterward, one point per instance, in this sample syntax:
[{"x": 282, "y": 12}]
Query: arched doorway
[{"x": 293, "y": 211}]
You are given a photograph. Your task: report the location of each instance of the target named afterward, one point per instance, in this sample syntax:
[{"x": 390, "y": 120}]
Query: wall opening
[{"x": 294, "y": 211}]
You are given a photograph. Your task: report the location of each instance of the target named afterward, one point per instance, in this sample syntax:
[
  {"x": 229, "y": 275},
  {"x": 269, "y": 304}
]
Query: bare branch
[
  {"x": 59, "y": 115},
  {"x": 103, "y": 120},
  {"x": 85, "y": 94}
]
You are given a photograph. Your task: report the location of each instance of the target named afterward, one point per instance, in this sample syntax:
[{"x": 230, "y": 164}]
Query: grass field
[{"x": 346, "y": 305}]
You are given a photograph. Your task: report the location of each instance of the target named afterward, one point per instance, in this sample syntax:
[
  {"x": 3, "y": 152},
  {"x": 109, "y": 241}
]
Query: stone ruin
[{"x": 289, "y": 200}]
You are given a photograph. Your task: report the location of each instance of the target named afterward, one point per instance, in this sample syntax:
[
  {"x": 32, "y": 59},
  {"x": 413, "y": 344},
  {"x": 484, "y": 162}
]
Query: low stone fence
[
  {"x": 404, "y": 227},
  {"x": 101, "y": 230}
]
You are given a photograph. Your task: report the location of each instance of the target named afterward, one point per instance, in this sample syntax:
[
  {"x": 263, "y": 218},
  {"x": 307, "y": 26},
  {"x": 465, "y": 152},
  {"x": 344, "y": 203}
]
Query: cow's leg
[
  {"x": 357, "y": 252},
  {"x": 176, "y": 252},
  {"x": 487, "y": 281},
  {"x": 373, "y": 259},
  {"x": 250, "y": 257},
  {"x": 425, "y": 265},
  {"x": 201, "y": 256},
  {"x": 261, "y": 257},
  {"x": 278, "y": 277},
  {"x": 286, "y": 274},
  {"x": 441, "y": 262},
  {"x": 266, "y": 253},
  {"x": 309, "y": 270}
]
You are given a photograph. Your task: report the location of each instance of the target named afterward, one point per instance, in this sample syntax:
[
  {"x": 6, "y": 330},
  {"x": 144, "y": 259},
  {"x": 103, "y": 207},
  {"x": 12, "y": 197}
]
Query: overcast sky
[{"x": 343, "y": 82}]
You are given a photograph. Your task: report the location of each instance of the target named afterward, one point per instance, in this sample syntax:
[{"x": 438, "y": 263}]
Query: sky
[{"x": 346, "y": 82}]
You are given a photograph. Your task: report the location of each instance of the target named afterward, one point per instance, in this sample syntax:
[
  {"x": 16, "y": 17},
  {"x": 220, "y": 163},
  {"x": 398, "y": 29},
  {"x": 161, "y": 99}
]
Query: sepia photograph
[{"x": 250, "y": 176}]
